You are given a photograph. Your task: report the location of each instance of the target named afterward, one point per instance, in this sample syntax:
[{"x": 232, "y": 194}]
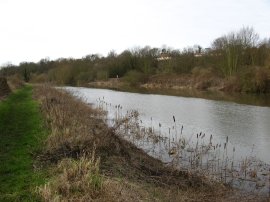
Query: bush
[
  {"x": 39, "y": 78},
  {"x": 4, "y": 87},
  {"x": 15, "y": 81},
  {"x": 202, "y": 73},
  {"x": 63, "y": 75},
  {"x": 134, "y": 77},
  {"x": 204, "y": 77},
  {"x": 102, "y": 75},
  {"x": 255, "y": 80},
  {"x": 85, "y": 77}
]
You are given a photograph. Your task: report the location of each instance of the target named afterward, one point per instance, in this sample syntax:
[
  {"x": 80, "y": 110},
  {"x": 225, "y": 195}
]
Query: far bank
[{"x": 184, "y": 89}]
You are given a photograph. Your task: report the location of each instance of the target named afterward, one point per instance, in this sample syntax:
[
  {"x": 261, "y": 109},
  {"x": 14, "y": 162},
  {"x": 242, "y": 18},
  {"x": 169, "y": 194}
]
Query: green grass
[{"x": 21, "y": 134}]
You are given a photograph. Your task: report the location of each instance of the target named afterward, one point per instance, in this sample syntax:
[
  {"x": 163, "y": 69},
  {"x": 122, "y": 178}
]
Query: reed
[
  {"x": 75, "y": 128},
  {"x": 203, "y": 157}
]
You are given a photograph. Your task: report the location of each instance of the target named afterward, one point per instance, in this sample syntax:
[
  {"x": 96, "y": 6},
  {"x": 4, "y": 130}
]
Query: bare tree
[
  {"x": 234, "y": 46},
  {"x": 248, "y": 37}
]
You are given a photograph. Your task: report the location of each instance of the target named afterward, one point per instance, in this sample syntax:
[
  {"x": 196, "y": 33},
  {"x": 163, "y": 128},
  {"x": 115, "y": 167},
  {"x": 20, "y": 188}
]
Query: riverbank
[
  {"x": 116, "y": 168},
  {"x": 184, "y": 91},
  {"x": 21, "y": 136},
  {"x": 120, "y": 170},
  {"x": 82, "y": 159},
  {"x": 200, "y": 79}
]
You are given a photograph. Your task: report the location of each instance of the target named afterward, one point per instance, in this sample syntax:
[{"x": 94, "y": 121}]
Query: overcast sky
[{"x": 35, "y": 29}]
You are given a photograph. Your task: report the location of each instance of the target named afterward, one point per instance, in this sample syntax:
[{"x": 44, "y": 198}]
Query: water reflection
[{"x": 241, "y": 98}]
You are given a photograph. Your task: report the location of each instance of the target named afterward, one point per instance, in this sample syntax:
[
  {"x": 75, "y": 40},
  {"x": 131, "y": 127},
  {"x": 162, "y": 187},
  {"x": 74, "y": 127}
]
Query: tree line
[{"x": 239, "y": 57}]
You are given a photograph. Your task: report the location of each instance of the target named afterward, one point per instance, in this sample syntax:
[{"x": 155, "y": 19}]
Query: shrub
[
  {"x": 4, "y": 87},
  {"x": 204, "y": 77},
  {"x": 15, "y": 81},
  {"x": 134, "y": 77},
  {"x": 39, "y": 78},
  {"x": 232, "y": 84},
  {"x": 199, "y": 72},
  {"x": 102, "y": 75},
  {"x": 255, "y": 80},
  {"x": 85, "y": 77}
]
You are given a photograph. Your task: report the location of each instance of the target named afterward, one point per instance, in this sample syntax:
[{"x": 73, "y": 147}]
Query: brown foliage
[
  {"x": 74, "y": 126},
  {"x": 15, "y": 82},
  {"x": 4, "y": 87}
]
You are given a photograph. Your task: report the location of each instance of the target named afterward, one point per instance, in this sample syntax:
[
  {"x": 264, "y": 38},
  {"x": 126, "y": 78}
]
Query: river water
[
  {"x": 247, "y": 126},
  {"x": 225, "y": 140}
]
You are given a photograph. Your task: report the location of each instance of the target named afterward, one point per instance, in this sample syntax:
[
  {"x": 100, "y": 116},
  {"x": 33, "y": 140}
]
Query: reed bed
[{"x": 196, "y": 153}]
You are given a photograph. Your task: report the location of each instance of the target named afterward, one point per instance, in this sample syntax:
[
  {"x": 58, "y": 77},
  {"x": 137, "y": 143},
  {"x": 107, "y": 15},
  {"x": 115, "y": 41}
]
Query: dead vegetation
[
  {"x": 15, "y": 82},
  {"x": 4, "y": 87},
  {"x": 89, "y": 161},
  {"x": 200, "y": 79},
  {"x": 76, "y": 180}
]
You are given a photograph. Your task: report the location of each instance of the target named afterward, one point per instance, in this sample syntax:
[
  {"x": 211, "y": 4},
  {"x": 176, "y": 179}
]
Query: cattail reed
[
  {"x": 196, "y": 154},
  {"x": 233, "y": 157},
  {"x": 151, "y": 123},
  {"x": 182, "y": 129},
  {"x": 159, "y": 125},
  {"x": 175, "y": 127}
]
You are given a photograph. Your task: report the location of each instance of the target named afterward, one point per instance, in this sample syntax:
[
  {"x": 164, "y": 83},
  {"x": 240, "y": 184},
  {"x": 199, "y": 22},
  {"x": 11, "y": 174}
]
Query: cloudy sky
[{"x": 35, "y": 29}]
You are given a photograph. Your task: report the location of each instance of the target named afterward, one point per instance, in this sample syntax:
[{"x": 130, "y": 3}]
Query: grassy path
[{"x": 20, "y": 136}]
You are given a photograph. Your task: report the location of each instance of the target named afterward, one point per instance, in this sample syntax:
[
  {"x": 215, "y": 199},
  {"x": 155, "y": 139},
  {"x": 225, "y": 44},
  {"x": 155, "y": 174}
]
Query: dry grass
[
  {"x": 80, "y": 180},
  {"x": 74, "y": 126},
  {"x": 4, "y": 88},
  {"x": 15, "y": 82},
  {"x": 118, "y": 171},
  {"x": 75, "y": 180},
  {"x": 200, "y": 79}
]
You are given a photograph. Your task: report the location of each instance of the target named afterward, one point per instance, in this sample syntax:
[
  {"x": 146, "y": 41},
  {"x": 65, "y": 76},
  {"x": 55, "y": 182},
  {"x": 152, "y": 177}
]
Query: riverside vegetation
[
  {"x": 58, "y": 148},
  {"x": 236, "y": 62},
  {"x": 196, "y": 153},
  {"x": 81, "y": 158},
  {"x": 92, "y": 162}
]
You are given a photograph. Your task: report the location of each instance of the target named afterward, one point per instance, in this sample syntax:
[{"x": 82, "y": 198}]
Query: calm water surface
[{"x": 247, "y": 126}]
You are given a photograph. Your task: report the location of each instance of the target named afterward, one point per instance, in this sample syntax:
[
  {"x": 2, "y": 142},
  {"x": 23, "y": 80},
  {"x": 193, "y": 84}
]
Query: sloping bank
[
  {"x": 89, "y": 161},
  {"x": 82, "y": 159}
]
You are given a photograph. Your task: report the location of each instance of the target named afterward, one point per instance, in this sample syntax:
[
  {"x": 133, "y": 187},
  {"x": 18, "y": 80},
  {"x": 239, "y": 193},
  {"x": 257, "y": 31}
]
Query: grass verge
[{"x": 21, "y": 135}]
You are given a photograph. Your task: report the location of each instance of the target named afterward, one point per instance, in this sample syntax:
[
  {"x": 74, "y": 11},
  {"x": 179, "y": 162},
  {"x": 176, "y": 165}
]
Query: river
[
  {"x": 237, "y": 135},
  {"x": 247, "y": 126}
]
